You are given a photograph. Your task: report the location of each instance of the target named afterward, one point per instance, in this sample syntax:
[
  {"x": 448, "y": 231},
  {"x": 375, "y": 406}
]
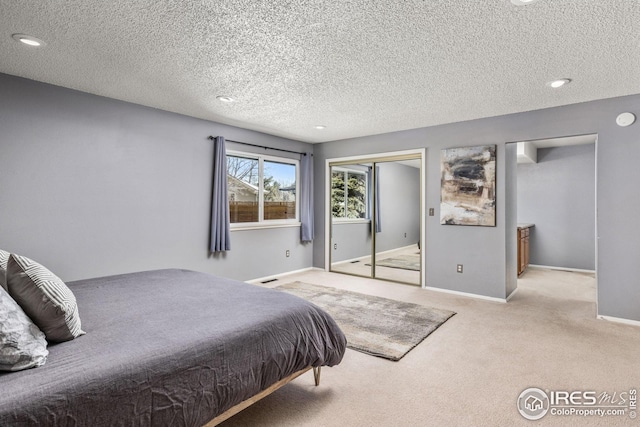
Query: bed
[{"x": 170, "y": 347}]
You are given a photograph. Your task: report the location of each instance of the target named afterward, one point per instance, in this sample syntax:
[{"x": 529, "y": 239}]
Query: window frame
[
  {"x": 267, "y": 223},
  {"x": 367, "y": 214}
]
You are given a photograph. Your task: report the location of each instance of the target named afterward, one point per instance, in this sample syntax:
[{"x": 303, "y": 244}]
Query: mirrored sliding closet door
[{"x": 376, "y": 219}]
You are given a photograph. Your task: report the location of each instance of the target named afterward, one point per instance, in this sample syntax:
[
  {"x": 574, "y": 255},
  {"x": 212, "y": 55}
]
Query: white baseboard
[
  {"x": 278, "y": 276},
  {"x": 511, "y": 294},
  {"x": 352, "y": 260},
  {"x": 619, "y": 320},
  {"x": 549, "y": 267},
  {"x": 468, "y": 295}
]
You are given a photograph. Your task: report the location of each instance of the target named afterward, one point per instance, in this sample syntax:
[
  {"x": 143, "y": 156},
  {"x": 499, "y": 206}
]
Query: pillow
[
  {"x": 22, "y": 344},
  {"x": 44, "y": 298},
  {"x": 4, "y": 257}
]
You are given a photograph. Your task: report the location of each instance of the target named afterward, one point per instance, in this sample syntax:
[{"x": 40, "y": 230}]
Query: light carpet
[
  {"x": 377, "y": 326},
  {"x": 471, "y": 371}
]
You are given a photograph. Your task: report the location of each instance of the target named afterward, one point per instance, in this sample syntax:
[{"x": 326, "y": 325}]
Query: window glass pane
[
  {"x": 356, "y": 195},
  {"x": 279, "y": 190},
  {"x": 337, "y": 194},
  {"x": 242, "y": 185}
]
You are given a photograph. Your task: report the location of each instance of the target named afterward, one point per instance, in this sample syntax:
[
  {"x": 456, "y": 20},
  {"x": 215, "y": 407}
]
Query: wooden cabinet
[{"x": 524, "y": 233}]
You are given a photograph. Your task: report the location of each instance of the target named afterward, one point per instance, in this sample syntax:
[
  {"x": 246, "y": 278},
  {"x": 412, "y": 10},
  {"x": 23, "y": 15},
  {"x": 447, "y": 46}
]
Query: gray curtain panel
[
  {"x": 377, "y": 197},
  {"x": 220, "y": 239},
  {"x": 378, "y": 221},
  {"x": 306, "y": 197}
]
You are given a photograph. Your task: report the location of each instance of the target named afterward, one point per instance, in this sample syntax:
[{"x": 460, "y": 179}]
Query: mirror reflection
[
  {"x": 397, "y": 250},
  {"x": 375, "y": 209},
  {"x": 351, "y": 211}
]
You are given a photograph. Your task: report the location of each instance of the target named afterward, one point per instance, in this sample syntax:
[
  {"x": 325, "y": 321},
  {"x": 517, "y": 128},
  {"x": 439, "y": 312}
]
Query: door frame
[
  {"x": 514, "y": 176},
  {"x": 380, "y": 157}
]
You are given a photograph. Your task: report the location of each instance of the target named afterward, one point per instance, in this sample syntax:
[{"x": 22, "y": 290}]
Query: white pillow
[
  {"x": 44, "y": 298},
  {"x": 22, "y": 344}
]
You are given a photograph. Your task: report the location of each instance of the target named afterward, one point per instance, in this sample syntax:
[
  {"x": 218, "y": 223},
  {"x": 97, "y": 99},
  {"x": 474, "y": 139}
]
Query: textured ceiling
[{"x": 360, "y": 67}]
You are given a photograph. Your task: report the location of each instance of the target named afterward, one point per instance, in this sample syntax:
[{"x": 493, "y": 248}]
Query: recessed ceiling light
[
  {"x": 558, "y": 83},
  {"x": 320, "y": 127},
  {"x": 522, "y": 2},
  {"x": 28, "y": 40},
  {"x": 225, "y": 98}
]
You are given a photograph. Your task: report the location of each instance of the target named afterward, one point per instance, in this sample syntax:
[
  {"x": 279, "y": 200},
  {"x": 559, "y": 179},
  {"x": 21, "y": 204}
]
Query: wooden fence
[{"x": 248, "y": 211}]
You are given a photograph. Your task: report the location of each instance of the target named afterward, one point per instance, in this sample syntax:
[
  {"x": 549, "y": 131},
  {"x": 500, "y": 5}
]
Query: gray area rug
[
  {"x": 405, "y": 262},
  {"x": 373, "y": 325}
]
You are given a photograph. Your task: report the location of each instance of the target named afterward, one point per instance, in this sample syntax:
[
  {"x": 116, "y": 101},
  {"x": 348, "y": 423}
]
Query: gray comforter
[{"x": 168, "y": 348}]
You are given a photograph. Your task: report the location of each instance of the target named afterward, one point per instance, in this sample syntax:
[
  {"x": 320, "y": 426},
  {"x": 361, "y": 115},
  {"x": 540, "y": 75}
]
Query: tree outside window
[{"x": 348, "y": 194}]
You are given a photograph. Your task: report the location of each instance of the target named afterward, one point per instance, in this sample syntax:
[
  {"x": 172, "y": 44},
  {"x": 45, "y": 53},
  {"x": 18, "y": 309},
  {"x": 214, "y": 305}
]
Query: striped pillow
[
  {"x": 44, "y": 298},
  {"x": 4, "y": 258}
]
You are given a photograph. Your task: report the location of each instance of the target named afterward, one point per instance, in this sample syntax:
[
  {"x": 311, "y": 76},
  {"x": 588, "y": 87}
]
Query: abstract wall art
[{"x": 468, "y": 186}]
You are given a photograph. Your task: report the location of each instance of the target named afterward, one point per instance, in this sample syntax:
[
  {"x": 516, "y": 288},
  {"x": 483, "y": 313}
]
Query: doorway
[
  {"x": 375, "y": 216},
  {"x": 556, "y": 205}
]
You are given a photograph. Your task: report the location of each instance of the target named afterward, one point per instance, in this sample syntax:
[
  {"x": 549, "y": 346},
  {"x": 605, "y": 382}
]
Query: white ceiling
[{"x": 360, "y": 67}]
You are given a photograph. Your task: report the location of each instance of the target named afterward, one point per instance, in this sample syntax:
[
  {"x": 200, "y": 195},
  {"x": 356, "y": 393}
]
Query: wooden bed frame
[{"x": 264, "y": 393}]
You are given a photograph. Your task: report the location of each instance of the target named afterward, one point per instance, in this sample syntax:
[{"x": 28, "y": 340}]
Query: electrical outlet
[
  {"x": 432, "y": 212},
  {"x": 335, "y": 246},
  {"x": 287, "y": 253},
  {"x": 405, "y": 235},
  {"x": 459, "y": 269}
]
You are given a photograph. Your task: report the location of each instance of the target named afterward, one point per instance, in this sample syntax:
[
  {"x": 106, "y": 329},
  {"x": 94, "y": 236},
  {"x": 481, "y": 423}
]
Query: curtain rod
[{"x": 260, "y": 146}]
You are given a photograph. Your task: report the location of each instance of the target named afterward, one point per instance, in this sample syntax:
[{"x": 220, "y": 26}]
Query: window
[
  {"x": 349, "y": 194},
  {"x": 262, "y": 189}
]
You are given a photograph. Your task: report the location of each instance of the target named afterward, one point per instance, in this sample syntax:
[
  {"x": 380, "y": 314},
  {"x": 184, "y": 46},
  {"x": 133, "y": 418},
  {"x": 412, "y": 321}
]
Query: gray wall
[
  {"x": 93, "y": 186},
  {"x": 483, "y": 250},
  {"x": 480, "y": 249},
  {"x": 557, "y": 194},
  {"x": 350, "y": 240}
]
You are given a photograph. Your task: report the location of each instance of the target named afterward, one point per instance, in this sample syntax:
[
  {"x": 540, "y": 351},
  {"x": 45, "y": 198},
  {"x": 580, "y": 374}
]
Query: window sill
[
  {"x": 351, "y": 221},
  {"x": 258, "y": 226}
]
